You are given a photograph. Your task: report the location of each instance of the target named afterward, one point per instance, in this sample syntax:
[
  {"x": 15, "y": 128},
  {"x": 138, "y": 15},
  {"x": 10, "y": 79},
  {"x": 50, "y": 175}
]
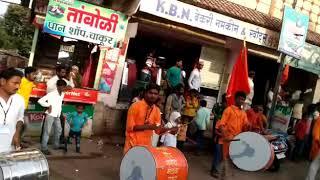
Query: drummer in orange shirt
[
  {"x": 257, "y": 121},
  {"x": 233, "y": 122},
  {"x": 143, "y": 118}
]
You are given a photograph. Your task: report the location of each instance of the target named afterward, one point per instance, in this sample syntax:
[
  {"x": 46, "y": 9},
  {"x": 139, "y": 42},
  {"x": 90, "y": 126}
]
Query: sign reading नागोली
[
  {"x": 83, "y": 21},
  {"x": 293, "y": 32},
  {"x": 210, "y": 21}
]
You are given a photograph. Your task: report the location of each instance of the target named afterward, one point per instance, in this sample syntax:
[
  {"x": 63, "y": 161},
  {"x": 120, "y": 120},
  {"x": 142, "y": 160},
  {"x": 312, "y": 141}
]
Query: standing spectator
[
  {"x": 170, "y": 137},
  {"x": 202, "y": 121},
  {"x": 251, "y": 94},
  {"x": 76, "y": 121},
  {"x": 75, "y": 77},
  {"x": 194, "y": 81},
  {"x": 297, "y": 112},
  {"x": 175, "y": 101},
  {"x": 182, "y": 134},
  {"x": 27, "y": 84},
  {"x": 52, "y": 101},
  {"x": 217, "y": 147},
  {"x": 191, "y": 106},
  {"x": 300, "y": 134},
  {"x": 315, "y": 151},
  {"x": 143, "y": 119},
  {"x": 174, "y": 75},
  {"x": 61, "y": 73},
  {"x": 233, "y": 122},
  {"x": 12, "y": 110}
]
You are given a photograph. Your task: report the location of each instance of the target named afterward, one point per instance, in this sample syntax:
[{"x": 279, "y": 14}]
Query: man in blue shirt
[
  {"x": 76, "y": 121},
  {"x": 202, "y": 121}
]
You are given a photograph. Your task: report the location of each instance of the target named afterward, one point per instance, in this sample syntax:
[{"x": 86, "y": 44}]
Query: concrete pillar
[{"x": 33, "y": 47}]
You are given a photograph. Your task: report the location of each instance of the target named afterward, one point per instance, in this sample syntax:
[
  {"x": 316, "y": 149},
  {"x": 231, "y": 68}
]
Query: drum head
[
  {"x": 138, "y": 164},
  {"x": 252, "y": 153}
]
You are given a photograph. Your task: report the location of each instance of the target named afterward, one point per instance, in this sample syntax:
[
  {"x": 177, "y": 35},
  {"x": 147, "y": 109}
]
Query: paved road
[{"x": 107, "y": 166}]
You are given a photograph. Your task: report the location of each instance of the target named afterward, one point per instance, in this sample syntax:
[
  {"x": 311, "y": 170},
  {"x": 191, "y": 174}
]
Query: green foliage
[{"x": 16, "y": 31}]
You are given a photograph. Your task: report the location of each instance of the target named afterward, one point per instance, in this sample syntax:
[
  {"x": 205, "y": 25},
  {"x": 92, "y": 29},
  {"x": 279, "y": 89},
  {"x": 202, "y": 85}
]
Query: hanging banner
[
  {"x": 109, "y": 68},
  {"x": 293, "y": 32},
  {"x": 87, "y": 22},
  {"x": 281, "y": 118},
  {"x": 210, "y": 21},
  {"x": 310, "y": 59}
]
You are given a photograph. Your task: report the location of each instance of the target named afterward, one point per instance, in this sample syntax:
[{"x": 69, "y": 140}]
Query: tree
[{"x": 16, "y": 30}]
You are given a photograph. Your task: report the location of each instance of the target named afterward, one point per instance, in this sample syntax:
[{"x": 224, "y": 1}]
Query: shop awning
[{"x": 246, "y": 14}]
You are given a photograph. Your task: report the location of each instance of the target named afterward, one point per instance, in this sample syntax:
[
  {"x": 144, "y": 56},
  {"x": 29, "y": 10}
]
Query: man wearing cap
[{"x": 194, "y": 81}]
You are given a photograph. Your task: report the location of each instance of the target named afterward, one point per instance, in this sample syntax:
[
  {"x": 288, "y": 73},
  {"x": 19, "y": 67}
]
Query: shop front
[
  {"x": 88, "y": 40},
  {"x": 170, "y": 30}
]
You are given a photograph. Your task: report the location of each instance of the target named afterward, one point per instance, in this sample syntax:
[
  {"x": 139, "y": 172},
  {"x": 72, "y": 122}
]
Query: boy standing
[
  {"x": 203, "y": 122},
  {"x": 76, "y": 121},
  {"x": 52, "y": 101}
]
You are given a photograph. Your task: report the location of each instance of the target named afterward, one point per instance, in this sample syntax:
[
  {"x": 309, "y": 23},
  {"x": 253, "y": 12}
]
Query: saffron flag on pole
[
  {"x": 239, "y": 77},
  {"x": 285, "y": 75}
]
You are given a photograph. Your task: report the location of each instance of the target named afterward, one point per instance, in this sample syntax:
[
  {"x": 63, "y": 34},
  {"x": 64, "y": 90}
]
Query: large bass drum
[
  {"x": 150, "y": 163},
  {"x": 251, "y": 152},
  {"x": 28, "y": 164}
]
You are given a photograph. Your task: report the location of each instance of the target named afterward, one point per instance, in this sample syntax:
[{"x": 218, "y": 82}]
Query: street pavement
[{"x": 100, "y": 160}]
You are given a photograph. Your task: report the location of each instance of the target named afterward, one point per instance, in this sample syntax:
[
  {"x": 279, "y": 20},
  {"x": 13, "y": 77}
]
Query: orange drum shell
[
  {"x": 170, "y": 162},
  {"x": 271, "y": 159}
]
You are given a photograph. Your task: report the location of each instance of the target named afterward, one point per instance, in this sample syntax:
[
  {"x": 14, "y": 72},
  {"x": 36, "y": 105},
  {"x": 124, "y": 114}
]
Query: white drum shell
[
  {"x": 29, "y": 164},
  {"x": 252, "y": 153}
]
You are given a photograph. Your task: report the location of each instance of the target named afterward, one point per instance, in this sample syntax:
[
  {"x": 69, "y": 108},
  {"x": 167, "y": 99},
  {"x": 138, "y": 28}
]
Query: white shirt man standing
[
  {"x": 61, "y": 73},
  {"x": 53, "y": 101},
  {"x": 250, "y": 96},
  {"x": 11, "y": 110},
  {"x": 194, "y": 81}
]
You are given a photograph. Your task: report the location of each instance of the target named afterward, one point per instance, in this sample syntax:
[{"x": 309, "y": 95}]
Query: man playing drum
[
  {"x": 233, "y": 122},
  {"x": 143, "y": 118}
]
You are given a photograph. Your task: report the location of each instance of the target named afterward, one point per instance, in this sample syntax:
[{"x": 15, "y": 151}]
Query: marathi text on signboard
[
  {"x": 83, "y": 21},
  {"x": 210, "y": 21},
  {"x": 293, "y": 32}
]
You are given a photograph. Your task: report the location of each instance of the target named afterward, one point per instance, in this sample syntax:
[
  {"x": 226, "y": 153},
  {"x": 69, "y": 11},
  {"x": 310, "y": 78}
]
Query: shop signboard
[
  {"x": 293, "y": 32},
  {"x": 87, "y": 22},
  {"x": 310, "y": 59},
  {"x": 281, "y": 118},
  {"x": 76, "y": 95},
  {"x": 210, "y": 21}
]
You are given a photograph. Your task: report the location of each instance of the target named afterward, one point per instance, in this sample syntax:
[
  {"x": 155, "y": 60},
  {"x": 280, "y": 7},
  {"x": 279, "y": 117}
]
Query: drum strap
[{"x": 149, "y": 111}]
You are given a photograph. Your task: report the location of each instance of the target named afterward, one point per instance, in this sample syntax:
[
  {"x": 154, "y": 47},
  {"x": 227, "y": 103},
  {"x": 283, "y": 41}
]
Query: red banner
[{"x": 75, "y": 95}]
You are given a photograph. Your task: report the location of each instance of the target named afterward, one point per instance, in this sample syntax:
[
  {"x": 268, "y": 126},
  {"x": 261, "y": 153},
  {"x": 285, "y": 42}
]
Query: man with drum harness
[
  {"x": 233, "y": 122},
  {"x": 144, "y": 118}
]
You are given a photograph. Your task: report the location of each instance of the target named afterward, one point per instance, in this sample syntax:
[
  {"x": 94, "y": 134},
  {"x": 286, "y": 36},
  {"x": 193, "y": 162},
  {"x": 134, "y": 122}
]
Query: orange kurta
[
  {"x": 233, "y": 122},
  {"x": 140, "y": 113},
  {"x": 255, "y": 121},
  {"x": 315, "y": 150}
]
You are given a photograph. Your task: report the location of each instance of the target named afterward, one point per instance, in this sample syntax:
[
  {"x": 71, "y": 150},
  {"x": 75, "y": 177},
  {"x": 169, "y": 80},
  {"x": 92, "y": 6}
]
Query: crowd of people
[
  {"x": 186, "y": 118},
  {"x": 15, "y": 91}
]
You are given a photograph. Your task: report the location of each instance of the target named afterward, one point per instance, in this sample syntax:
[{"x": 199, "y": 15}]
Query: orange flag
[
  {"x": 285, "y": 75},
  {"x": 239, "y": 77}
]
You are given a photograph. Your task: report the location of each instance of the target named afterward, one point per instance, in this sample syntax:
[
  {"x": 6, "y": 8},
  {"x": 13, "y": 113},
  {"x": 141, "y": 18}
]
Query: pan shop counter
[{"x": 35, "y": 115}]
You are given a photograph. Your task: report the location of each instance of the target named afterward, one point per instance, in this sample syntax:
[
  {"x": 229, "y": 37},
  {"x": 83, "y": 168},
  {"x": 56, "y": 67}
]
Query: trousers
[
  {"x": 313, "y": 169},
  {"x": 50, "y": 122}
]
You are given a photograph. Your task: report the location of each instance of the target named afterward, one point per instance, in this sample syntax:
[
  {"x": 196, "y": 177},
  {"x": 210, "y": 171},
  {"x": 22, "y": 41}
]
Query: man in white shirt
[
  {"x": 249, "y": 98},
  {"x": 194, "y": 81},
  {"x": 61, "y": 73},
  {"x": 52, "y": 101},
  {"x": 11, "y": 110}
]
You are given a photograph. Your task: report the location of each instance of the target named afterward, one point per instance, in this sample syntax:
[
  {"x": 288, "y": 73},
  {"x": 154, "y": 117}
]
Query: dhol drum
[
  {"x": 251, "y": 152},
  {"x": 28, "y": 164},
  {"x": 150, "y": 163}
]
